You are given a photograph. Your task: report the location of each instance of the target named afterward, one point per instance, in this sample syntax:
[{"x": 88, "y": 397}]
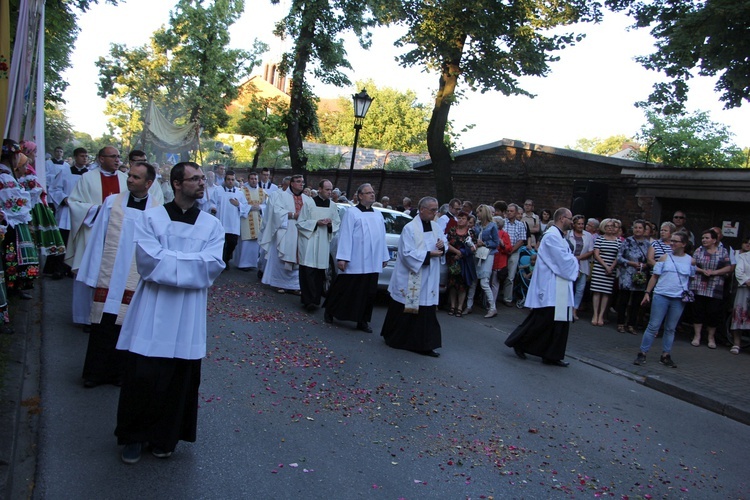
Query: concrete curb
[{"x": 674, "y": 390}]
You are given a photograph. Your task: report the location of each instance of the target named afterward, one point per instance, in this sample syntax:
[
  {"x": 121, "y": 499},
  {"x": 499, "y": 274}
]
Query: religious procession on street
[{"x": 142, "y": 242}]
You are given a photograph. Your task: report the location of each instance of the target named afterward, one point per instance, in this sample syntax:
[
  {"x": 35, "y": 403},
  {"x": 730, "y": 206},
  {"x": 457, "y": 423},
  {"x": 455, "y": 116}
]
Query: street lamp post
[{"x": 362, "y": 103}]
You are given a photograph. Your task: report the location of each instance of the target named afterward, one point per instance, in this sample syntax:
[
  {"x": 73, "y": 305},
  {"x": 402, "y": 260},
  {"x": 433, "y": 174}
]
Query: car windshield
[{"x": 394, "y": 222}]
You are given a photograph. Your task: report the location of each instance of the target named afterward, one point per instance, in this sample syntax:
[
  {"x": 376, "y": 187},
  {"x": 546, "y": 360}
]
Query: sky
[{"x": 589, "y": 93}]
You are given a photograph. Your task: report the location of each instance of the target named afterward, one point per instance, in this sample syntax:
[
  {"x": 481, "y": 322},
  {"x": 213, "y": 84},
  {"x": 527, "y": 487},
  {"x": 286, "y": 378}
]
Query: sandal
[
  {"x": 735, "y": 349},
  {"x": 451, "y": 311},
  {"x": 621, "y": 328},
  {"x": 712, "y": 345},
  {"x": 695, "y": 343},
  {"x": 631, "y": 330},
  {"x": 458, "y": 314}
]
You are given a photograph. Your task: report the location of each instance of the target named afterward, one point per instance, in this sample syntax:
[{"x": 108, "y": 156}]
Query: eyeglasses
[
  {"x": 433, "y": 210},
  {"x": 678, "y": 217},
  {"x": 675, "y": 241},
  {"x": 195, "y": 178},
  {"x": 110, "y": 156},
  {"x": 367, "y": 192}
]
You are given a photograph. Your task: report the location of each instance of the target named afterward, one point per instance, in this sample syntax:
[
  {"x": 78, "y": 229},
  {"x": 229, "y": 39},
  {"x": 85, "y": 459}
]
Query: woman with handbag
[
  {"x": 484, "y": 258},
  {"x": 712, "y": 266},
  {"x": 633, "y": 262},
  {"x": 667, "y": 291},
  {"x": 460, "y": 261}
]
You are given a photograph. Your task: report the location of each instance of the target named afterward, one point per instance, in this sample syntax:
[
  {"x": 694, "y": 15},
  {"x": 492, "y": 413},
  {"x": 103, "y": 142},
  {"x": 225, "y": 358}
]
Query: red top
[{"x": 501, "y": 257}]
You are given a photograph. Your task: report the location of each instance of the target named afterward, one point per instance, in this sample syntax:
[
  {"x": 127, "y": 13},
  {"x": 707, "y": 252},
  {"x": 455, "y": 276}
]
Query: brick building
[{"x": 553, "y": 177}]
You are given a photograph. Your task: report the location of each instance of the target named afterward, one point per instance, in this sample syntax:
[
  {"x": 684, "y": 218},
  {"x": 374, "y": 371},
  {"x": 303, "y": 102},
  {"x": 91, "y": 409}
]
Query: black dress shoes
[
  {"x": 364, "y": 327},
  {"x": 556, "y": 362},
  {"x": 431, "y": 354},
  {"x": 327, "y": 317},
  {"x": 519, "y": 352}
]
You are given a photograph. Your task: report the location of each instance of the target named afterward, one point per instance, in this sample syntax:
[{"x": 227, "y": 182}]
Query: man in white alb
[
  {"x": 109, "y": 269},
  {"x": 246, "y": 254},
  {"x": 361, "y": 256},
  {"x": 178, "y": 252},
  {"x": 318, "y": 222}
]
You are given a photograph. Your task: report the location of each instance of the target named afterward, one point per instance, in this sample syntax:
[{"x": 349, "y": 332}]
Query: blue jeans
[
  {"x": 579, "y": 287},
  {"x": 667, "y": 310}
]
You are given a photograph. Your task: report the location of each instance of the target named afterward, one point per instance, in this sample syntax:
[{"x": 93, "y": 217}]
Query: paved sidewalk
[{"x": 713, "y": 379}]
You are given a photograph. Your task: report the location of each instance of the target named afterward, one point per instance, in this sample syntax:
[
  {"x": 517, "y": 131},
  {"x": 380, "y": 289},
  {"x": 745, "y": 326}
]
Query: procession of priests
[{"x": 144, "y": 268}]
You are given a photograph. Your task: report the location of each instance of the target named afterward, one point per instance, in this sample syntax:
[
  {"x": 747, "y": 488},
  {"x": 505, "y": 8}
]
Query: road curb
[{"x": 671, "y": 389}]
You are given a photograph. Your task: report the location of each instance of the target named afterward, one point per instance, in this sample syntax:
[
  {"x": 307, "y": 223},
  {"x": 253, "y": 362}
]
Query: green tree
[
  {"x": 489, "y": 44},
  {"x": 315, "y": 26},
  {"x": 57, "y": 129},
  {"x": 396, "y": 121},
  {"x": 692, "y": 141},
  {"x": 262, "y": 119},
  {"x": 606, "y": 147},
  {"x": 694, "y": 34},
  {"x": 124, "y": 119},
  {"x": 61, "y": 31},
  {"x": 187, "y": 68}
]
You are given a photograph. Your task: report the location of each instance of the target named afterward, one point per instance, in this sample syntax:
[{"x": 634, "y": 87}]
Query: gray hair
[
  {"x": 431, "y": 199},
  {"x": 362, "y": 187}
]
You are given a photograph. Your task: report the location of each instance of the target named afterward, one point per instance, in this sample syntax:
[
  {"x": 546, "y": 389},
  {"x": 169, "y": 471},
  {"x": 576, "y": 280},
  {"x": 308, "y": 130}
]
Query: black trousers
[
  {"x": 311, "y": 281},
  {"x": 230, "y": 243}
]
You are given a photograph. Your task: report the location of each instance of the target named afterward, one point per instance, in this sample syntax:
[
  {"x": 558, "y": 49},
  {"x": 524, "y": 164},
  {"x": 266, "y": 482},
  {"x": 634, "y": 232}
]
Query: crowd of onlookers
[
  {"x": 490, "y": 259},
  {"x": 492, "y": 254}
]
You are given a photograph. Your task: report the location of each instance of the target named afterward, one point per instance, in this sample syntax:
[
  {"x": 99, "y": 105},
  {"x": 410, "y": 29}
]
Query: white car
[{"x": 394, "y": 223}]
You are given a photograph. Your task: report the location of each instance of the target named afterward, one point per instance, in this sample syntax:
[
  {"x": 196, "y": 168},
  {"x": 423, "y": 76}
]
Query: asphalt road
[{"x": 292, "y": 407}]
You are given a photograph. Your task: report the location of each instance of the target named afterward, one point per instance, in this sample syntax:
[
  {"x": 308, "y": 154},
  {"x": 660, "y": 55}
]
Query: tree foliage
[
  {"x": 396, "y": 121},
  {"x": 489, "y": 44},
  {"x": 315, "y": 27},
  {"x": 691, "y": 141},
  {"x": 262, "y": 119},
  {"x": 711, "y": 37},
  {"x": 187, "y": 68},
  {"x": 60, "y": 35},
  {"x": 598, "y": 146},
  {"x": 57, "y": 129}
]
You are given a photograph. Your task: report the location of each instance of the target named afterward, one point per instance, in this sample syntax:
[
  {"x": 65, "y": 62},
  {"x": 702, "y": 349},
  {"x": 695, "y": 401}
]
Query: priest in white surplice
[
  {"x": 361, "y": 256},
  {"x": 84, "y": 203},
  {"x": 178, "y": 252},
  {"x": 109, "y": 269},
  {"x": 279, "y": 239},
  {"x": 411, "y": 322},
  {"x": 246, "y": 254},
  {"x": 59, "y": 191},
  {"x": 318, "y": 222},
  {"x": 231, "y": 208},
  {"x": 544, "y": 332}
]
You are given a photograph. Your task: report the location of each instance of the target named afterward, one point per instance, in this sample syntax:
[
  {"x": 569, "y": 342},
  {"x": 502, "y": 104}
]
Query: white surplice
[
  {"x": 278, "y": 230},
  {"x": 362, "y": 242},
  {"x": 315, "y": 240},
  {"x": 413, "y": 248},
  {"x": 554, "y": 273},
  {"x": 246, "y": 253},
  {"x": 230, "y": 215},
  {"x": 83, "y": 201},
  {"x": 91, "y": 266},
  {"x": 177, "y": 262},
  {"x": 61, "y": 188}
]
